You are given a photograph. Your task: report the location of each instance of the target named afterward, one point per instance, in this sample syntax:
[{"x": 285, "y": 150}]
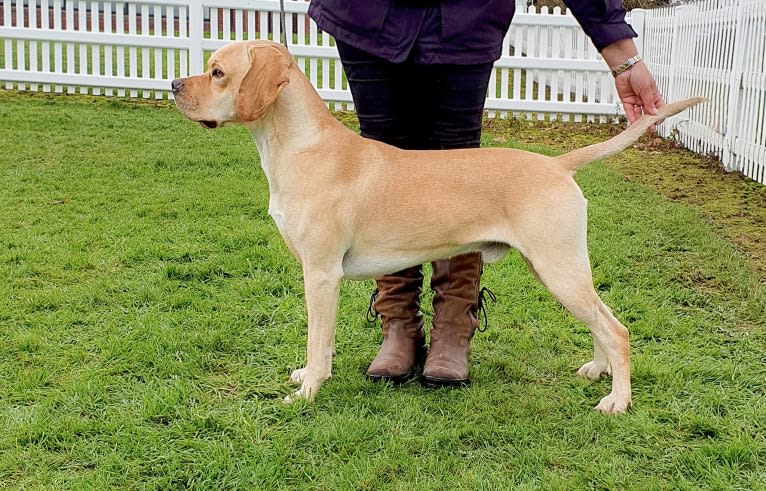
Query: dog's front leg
[{"x": 322, "y": 289}]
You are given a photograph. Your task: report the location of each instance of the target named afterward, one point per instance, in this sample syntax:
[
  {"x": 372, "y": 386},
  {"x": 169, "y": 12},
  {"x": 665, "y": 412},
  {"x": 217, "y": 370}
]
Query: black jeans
[{"x": 413, "y": 106}]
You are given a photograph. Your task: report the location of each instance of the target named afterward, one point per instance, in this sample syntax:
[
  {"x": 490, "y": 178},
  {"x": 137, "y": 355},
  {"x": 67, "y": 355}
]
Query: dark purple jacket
[{"x": 449, "y": 31}]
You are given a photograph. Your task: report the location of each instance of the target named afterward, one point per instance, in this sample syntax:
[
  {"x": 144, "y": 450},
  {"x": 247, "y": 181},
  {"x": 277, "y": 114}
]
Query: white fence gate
[{"x": 548, "y": 67}]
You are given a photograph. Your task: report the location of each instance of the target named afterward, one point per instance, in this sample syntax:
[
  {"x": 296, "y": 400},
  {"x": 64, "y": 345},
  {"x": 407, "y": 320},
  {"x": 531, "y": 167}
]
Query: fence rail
[{"x": 548, "y": 68}]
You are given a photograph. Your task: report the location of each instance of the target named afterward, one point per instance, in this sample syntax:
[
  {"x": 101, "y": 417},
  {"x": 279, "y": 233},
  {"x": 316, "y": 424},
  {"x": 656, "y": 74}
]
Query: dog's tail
[{"x": 577, "y": 158}]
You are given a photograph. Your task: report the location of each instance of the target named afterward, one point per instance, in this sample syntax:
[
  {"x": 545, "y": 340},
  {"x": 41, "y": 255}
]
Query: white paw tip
[
  {"x": 298, "y": 375},
  {"x": 609, "y": 405}
]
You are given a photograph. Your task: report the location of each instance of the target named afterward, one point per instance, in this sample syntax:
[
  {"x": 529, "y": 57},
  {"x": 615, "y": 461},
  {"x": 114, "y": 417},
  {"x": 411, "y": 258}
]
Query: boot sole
[
  {"x": 435, "y": 383},
  {"x": 394, "y": 379}
]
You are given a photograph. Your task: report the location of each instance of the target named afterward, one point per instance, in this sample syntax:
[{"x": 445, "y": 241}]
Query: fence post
[
  {"x": 735, "y": 87},
  {"x": 638, "y": 21},
  {"x": 674, "y": 52},
  {"x": 196, "y": 34}
]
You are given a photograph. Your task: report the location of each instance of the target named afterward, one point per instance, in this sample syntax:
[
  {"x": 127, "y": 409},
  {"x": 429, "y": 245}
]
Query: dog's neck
[{"x": 296, "y": 121}]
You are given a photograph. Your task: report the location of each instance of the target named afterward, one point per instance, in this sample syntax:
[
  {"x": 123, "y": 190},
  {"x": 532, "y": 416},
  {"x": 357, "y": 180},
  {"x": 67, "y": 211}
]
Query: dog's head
[{"x": 242, "y": 81}]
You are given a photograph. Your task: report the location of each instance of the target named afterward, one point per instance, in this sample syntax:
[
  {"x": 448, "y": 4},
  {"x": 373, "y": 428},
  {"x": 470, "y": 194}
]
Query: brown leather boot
[
  {"x": 455, "y": 283},
  {"x": 397, "y": 300}
]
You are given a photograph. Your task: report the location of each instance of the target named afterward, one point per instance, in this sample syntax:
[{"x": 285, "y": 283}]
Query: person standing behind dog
[{"x": 418, "y": 71}]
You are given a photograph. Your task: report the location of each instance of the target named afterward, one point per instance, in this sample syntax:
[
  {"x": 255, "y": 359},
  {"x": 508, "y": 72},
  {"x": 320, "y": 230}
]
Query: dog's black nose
[{"x": 177, "y": 85}]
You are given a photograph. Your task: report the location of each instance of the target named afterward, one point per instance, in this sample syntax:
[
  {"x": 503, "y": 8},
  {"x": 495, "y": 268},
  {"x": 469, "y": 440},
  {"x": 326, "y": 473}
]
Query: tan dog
[{"x": 349, "y": 207}]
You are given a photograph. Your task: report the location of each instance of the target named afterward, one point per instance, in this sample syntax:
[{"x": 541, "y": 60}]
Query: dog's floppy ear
[{"x": 267, "y": 76}]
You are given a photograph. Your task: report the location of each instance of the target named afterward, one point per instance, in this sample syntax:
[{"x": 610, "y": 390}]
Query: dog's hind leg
[
  {"x": 593, "y": 370},
  {"x": 322, "y": 291},
  {"x": 567, "y": 275}
]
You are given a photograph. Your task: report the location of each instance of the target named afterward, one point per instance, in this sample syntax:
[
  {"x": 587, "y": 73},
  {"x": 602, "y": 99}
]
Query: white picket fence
[
  {"x": 140, "y": 45},
  {"x": 548, "y": 68},
  {"x": 715, "y": 49}
]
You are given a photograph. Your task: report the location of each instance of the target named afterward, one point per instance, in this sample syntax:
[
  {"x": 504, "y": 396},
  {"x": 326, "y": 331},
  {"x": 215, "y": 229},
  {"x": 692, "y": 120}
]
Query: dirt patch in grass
[{"x": 734, "y": 204}]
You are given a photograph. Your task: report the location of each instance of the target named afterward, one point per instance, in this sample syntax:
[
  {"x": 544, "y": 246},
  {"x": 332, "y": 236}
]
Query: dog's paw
[
  {"x": 305, "y": 393},
  {"x": 594, "y": 370},
  {"x": 294, "y": 397},
  {"x": 613, "y": 404},
  {"x": 298, "y": 376},
  {"x": 310, "y": 384}
]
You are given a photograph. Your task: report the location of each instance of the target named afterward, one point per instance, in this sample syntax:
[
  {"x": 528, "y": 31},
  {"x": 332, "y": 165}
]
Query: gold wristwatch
[{"x": 625, "y": 66}]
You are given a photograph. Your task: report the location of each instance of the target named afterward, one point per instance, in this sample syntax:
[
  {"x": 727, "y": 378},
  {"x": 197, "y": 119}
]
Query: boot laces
[
  {"x": 372, "y": 314},
  {"x": 481, "y": 305}
]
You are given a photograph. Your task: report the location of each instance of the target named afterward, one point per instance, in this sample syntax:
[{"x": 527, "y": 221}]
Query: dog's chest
[
  {"x": 275, "y": 210},
  {"x": 279, "y": 220}
]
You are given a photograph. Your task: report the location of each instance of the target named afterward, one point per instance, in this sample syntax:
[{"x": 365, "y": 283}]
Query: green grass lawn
[{"x": 150, "y": 316}]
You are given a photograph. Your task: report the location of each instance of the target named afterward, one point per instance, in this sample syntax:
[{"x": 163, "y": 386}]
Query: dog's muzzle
[{"x": 177, "y": 86}]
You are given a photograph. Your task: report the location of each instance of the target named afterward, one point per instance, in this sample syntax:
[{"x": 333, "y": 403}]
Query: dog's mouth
[{"x": 209, "y": 124}]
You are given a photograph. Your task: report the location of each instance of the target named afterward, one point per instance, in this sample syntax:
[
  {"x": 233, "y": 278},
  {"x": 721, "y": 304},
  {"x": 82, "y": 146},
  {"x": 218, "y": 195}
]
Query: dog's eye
[{"x": 217, "y": 73}]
